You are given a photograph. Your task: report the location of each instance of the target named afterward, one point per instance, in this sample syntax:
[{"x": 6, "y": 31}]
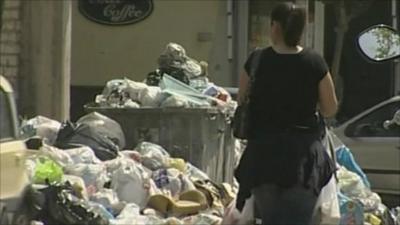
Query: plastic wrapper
[
  {"x": 41, "y": 126},
  {"x": 173, "y": 86},
  {"x": 105, "y": 126},
  {"x": 153, "y": 156}
]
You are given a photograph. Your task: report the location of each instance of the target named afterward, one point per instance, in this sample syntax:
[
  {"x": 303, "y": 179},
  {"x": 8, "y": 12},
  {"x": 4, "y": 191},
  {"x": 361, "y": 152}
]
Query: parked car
[
  {"x": 374, "y": 135},
  {"x": 14, "y": 183}
]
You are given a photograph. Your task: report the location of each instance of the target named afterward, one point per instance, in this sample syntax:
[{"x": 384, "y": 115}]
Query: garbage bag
[
  {"x": 71, "y": 136},
  {"x": 345, "y": 158},
  {"x": 41, "y": 126},
  {"x": 62, "y": 207},
  {"x": 105, "y": 126},
  {"x": 153, "y": 156},
  {"x": 174, "y": 58},
  {"x": 47, "y": 171},
  {"x": 131, "y": 182}
]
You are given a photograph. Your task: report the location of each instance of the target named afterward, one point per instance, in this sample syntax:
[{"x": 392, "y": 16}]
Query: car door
[
  {"x": 377, "y": 149},
  {"x": 13, "y": 178}
]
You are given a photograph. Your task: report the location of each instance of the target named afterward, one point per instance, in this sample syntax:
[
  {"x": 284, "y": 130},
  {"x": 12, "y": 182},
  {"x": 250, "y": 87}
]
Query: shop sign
[{"x": 116, "y": 12}]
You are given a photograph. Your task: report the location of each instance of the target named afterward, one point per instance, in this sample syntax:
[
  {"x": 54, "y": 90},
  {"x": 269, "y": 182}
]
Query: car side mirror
[
  {"x": 379, "y": 43},
  {"x": 395, "y": 121}
]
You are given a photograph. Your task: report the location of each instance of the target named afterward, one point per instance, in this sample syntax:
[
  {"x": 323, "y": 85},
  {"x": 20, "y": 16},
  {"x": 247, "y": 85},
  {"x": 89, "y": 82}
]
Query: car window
[
  {"x": 6, "y": 120},
  {"x": 371, "y": 125}
]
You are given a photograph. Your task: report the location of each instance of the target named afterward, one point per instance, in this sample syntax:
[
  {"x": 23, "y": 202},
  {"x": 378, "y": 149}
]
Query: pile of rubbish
[
  {"x": 85, "y": 176},
  {"x": 356, "y": 203},
  {"x": 179, "y": 82}
]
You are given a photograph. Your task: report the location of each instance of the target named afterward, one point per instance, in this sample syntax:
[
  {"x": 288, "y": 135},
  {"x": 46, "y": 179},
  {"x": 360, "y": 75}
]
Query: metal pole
[{"x": 396, "y": 63}]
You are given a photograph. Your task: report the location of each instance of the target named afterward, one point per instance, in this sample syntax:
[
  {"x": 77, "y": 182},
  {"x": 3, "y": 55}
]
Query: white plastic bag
[
  {"x": 134, "y": 89},
  {"x": 57, "y": 155},
  {"x": 82, "y": 154},
  {"x": 131, "y": 182},
  {"x": 154, "y": 156},
  {"x": 151, "y": 97},
  {"x": 43, "y": 127},
  {"x": 327, "y": 210}
]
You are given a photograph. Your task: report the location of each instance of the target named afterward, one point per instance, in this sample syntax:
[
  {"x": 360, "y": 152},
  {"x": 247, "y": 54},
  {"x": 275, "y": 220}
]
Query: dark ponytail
[{"x": 292, "y": 20}]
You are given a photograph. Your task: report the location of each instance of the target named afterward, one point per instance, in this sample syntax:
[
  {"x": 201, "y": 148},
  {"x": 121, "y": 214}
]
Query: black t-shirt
[{"x": 285, "y": 90}]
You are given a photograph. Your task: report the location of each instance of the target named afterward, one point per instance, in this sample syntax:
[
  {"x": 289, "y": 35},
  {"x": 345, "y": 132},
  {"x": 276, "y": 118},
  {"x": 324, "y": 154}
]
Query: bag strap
[{"x": 252, "y": 73}]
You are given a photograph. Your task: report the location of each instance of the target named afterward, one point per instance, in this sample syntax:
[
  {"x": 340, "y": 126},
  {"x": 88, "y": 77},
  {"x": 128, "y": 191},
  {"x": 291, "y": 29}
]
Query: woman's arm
[
  {"x": 243, "y": 85},
  {"x": 327, "y": 97}
]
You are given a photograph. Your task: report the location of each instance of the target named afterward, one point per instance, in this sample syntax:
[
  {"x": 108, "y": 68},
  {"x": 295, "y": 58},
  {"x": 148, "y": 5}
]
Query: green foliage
[{"x": 388, "y": 43}]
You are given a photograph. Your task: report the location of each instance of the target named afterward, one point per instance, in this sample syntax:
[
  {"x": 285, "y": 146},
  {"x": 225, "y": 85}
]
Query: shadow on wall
[{"x": 81, "y": 95}]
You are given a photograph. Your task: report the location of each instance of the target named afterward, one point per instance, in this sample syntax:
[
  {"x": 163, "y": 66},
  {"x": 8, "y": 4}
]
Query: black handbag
[{"x": 241, "y": 123}]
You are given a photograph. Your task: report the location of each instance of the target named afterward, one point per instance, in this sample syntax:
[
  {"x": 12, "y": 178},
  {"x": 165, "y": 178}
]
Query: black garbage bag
[
  {"x": 105, "y": 126},
  {"x": 154, "y": 78},
  {"x": 72, "y": 135},
  {"x": 62, "y": 207}
]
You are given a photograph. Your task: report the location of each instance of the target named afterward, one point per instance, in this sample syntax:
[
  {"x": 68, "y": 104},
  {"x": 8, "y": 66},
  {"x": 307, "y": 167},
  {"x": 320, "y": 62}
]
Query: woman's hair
[{"x": 292, "y": 20}]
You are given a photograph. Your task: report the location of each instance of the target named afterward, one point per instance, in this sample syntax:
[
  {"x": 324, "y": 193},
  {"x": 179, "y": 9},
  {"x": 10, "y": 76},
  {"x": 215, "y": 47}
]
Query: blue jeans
[{"x": 284, "y": 206}]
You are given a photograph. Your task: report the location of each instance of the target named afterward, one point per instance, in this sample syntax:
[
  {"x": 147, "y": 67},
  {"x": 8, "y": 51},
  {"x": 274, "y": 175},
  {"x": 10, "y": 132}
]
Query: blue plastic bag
[{"x": 345, "y": 158}]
